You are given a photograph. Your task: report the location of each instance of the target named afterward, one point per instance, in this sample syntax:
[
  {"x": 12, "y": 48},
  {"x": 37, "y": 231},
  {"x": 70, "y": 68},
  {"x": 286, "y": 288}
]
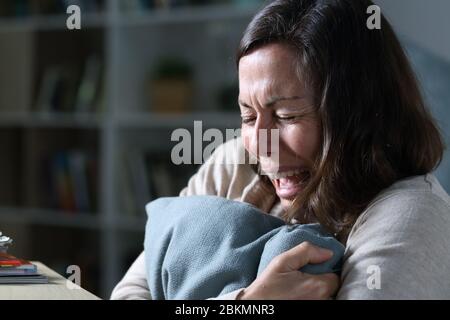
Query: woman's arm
[
  {"x": 399, "y": 249},
  {"x": 134, "y": 285}
]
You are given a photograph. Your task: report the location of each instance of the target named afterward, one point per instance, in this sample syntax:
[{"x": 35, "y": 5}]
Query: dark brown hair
[{"x": 376, "y": 129}]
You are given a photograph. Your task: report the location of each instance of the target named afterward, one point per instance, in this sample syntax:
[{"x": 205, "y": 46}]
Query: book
[
  {"x": 89, "y": 89},
  {"x": 48, "y": 89},
  {"x": 9, "y": 261},
  {"x": 62, "y": 182},
  {"x": 79, "y": 178},
  {"x": 69, "y": 180},
  {"x": 19, "y": 271},
  {"x": 58, "y": 89},
  {"x": 24, "y": 279}
]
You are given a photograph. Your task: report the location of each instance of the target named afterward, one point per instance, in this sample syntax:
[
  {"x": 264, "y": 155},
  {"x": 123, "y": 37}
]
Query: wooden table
[{"x": 55, "y": 289}]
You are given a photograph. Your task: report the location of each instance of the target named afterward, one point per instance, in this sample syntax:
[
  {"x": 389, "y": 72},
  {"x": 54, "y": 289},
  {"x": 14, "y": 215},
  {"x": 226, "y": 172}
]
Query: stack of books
[{"x": 14, "y": 270}]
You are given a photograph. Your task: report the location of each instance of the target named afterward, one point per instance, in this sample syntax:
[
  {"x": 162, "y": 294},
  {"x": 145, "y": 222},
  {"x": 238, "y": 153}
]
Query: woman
[{"x": 356, "y": 150}]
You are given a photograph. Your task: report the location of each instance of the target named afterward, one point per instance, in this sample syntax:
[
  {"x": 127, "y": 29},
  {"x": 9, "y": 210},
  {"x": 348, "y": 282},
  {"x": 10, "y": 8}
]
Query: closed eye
[
  {"x": 288, "y": 118},
  {"x": 248, "y": 120}
]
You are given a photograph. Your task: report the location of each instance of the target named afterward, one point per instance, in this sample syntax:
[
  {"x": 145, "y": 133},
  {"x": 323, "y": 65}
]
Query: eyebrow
[{"x": 272, "y": 101}]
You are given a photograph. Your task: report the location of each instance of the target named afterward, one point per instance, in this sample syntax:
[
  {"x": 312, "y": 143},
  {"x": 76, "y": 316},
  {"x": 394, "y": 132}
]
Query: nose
[{"x": 262, "y": 137}]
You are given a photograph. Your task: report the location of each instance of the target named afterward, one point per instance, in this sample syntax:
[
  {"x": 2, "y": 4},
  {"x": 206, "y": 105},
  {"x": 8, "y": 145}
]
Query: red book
[{"x": 7, "y": 260}]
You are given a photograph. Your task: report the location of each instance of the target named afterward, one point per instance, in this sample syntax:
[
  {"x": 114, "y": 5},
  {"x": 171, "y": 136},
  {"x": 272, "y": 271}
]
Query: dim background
[{"x": 86, "y": 116}]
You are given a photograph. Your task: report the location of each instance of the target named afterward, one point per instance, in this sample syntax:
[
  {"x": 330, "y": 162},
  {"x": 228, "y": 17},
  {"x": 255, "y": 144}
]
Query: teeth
[{"x": 286, "y": 174}]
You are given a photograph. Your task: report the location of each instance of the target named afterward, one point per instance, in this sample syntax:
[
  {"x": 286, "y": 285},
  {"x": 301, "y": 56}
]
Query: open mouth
[{"x": 289, "y": 183}]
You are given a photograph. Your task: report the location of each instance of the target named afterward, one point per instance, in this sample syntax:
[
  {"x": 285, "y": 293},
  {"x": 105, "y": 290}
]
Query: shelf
[
  {"x": 139, "y": 120},
  {"x": 149, "y": 120},
  {"x": 50, "y": 22},
  {"x": 156, "y": 17},
  {"x": 53, "y": 120},
  {"x": 116, "y": 37},
  {"x": 50, "y": 217},
  {"x": 211, "y": 13}
]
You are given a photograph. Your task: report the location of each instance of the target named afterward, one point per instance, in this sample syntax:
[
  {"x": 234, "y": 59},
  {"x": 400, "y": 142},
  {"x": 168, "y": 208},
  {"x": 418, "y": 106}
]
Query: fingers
[
  {"x": 300, "y": 256},
  {"x": 325, "y": 285}
]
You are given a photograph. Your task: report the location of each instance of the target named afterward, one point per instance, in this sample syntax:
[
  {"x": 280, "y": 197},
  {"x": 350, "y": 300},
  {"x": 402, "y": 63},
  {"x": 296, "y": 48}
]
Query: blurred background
[{"x": 86, "y": 116}]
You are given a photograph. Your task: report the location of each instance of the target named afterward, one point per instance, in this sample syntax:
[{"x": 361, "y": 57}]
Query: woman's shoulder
[
  {"x": 419, "y": 199},
  {"x": 427, "y": 185},
  {"x": 403, "y": 233}
]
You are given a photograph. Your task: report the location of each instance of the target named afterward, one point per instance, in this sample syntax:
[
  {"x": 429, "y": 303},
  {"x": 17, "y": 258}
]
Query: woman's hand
[{"x": 281, "y": 280}]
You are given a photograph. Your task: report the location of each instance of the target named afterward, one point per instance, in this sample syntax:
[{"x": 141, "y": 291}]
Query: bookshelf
[{"x": 55, "y": 135}]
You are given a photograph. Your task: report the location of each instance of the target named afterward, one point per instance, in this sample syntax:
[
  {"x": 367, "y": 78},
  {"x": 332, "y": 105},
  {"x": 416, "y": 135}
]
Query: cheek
[{"x": 303, "y": 140}]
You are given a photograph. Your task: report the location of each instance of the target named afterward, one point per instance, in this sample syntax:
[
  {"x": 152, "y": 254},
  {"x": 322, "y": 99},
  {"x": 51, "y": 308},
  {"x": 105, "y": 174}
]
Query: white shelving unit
[{"x": 206, "y": 36}]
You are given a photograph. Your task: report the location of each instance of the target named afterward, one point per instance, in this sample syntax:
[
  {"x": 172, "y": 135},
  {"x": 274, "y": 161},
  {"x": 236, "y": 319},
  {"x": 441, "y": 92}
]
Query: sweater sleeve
[
  {"x": 134, "y": 285},
  {"x": 398, "y": 249}
]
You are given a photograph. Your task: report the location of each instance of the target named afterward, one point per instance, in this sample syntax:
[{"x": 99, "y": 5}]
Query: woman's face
[{"x": 273, "y": 97}]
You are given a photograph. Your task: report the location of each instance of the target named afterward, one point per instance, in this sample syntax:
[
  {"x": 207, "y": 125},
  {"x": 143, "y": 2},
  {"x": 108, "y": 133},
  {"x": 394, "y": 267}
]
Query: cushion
[{"x": 200, "y": 247}]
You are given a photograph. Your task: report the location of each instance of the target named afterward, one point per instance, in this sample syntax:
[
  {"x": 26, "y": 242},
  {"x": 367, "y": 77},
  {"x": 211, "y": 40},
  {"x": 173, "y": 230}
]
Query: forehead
[{"x": 271, "y": 68}]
